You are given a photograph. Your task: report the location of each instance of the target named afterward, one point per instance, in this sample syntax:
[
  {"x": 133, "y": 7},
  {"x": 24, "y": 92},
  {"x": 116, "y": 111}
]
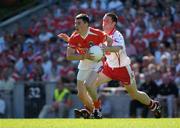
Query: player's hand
[
  {"x": 89, "y": 56},
  {"x": 64, "y": 36}
]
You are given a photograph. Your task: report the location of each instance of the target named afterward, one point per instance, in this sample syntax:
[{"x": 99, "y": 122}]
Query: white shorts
[{"x": 83, "y": 74}]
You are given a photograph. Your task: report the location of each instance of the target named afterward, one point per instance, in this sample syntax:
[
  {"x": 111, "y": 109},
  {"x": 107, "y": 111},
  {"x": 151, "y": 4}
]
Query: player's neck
[
  {"x": 83, "y": 32},
  {"x": 110, "y": 31}
]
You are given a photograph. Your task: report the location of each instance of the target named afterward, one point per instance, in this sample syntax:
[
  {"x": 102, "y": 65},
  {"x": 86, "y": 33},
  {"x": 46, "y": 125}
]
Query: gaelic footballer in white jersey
[{"x": 119, "y": 59}]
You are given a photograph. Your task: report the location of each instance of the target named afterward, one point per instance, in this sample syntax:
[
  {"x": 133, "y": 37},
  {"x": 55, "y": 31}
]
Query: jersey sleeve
[
  {"x": 118, "y": 40},
  {"x": 72, "y": 42},
  {"x": 102, "y": 36}
]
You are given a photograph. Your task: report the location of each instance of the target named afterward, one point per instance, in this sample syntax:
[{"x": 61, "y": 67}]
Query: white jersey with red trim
[{"x": 120, "y": 58}]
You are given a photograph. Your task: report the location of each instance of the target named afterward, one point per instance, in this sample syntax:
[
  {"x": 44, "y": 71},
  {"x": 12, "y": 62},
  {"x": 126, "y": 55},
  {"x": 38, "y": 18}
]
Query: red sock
[
  {"x": 150, "y": 104},
  {"x": 97, "y": 104}
]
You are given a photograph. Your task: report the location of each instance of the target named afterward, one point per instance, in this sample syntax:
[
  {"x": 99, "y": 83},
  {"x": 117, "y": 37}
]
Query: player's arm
[
  {"x": 111, "y": 48},
  {"x": 72, "y": 55},
  {"x": 64, "y": 36}
]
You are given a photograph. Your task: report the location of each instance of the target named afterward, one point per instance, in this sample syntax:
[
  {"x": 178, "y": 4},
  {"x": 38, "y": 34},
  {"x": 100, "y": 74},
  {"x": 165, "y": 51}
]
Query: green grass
[{"x": 90, "y": 123}]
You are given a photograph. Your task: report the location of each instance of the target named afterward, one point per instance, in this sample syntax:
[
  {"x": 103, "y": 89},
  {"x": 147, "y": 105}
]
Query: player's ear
[
  {"x": 114, "y": 23},
  {"x": 87, "y": 24}
]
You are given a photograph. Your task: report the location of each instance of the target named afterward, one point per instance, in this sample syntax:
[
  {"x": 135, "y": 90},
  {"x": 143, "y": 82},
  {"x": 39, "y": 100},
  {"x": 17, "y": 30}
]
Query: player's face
[
  {"x": 79, "y": 24},
  {"x": 107, "y": 24}
]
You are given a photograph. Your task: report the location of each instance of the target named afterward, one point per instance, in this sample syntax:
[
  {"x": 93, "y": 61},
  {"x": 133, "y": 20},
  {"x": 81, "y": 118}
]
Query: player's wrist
[{"x": 105, "y": 49}]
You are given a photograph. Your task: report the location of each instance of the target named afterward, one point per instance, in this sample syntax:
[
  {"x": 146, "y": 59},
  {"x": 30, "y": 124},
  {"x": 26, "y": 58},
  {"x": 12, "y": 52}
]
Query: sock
[
  {"x": 97, "y": 104},
  {"x": 151, "y": 103}
]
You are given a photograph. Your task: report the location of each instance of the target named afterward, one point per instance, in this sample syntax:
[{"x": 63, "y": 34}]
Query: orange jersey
[{"x": 81, "y": 44}]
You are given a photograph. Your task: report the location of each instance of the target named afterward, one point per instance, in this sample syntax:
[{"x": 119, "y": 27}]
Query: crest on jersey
[{"x": 79, "y": 45}]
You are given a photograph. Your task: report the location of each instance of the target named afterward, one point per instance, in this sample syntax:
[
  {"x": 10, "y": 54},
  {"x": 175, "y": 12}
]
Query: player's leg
[
  {"x": 92, "y": 83},
  {"x": 139, "y": 95},
  {"x": 95, "y": 79},
  {"x": 144, "y": 99},
  {"x": 82, "y": 91},
  {"x": 83, "y": 95},
  {"x": 85, "y": 99}
]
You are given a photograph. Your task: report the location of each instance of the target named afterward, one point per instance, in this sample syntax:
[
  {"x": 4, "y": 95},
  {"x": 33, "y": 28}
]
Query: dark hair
[
  {"x": 84, "y": 17},
  {"x": 113, "y": 16}
]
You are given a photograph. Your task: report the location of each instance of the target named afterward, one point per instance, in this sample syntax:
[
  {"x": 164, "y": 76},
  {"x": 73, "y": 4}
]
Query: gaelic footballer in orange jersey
[{"x": 78, "y": 45}]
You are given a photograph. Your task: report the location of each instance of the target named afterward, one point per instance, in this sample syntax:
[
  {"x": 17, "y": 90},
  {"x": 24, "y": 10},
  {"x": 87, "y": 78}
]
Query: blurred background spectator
[{"x": 61, "y": 103}]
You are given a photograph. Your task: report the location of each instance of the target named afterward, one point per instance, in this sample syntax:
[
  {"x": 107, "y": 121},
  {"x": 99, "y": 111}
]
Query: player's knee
[
  {"x": 88, "y": 83},
  {"x": 133, "y": 95}
]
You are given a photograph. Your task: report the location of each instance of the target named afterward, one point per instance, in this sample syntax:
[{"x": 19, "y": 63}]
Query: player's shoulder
[
  {"x": 95, "y": 30},
  {"x": 74, "y": 34},
  {"x": 118, "y": 34}
]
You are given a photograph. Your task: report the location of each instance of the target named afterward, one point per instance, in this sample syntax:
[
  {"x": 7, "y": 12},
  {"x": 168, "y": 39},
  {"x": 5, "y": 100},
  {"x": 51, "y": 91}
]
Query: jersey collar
[
  {"x": 112, "y": 31},
  {"x": 88, "y": 31}
]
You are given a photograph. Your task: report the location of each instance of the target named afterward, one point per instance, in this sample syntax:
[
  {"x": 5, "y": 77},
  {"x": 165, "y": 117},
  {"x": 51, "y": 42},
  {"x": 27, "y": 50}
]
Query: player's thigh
[
  {"x": 81, "y": 88},
  {"x": 91, "y": 78},
  {"x": 131, "y": 88},
  {"x": 101, "y": 79},
  {"x": 83, "y": 75}
]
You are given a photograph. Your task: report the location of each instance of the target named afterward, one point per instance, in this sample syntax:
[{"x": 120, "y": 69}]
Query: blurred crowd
[{"x": 151, "y": 29}]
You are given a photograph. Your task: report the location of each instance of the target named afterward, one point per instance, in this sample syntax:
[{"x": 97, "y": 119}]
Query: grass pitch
[{"x": 90, "y": 123}]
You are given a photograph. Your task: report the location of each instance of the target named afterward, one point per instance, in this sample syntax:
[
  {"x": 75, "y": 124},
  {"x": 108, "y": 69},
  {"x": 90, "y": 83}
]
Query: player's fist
[
  {"x": 88, "y": 56},
  {"x": 64, "y": 36}
]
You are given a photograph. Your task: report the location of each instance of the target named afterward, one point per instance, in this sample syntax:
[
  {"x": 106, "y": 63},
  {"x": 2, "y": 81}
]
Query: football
[{"x": 97, "y": 52}]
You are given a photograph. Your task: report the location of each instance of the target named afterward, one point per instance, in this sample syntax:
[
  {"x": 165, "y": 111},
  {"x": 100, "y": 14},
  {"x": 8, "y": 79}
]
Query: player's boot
[
  {"x": 96, "y": 114},
  {"x": 156, "y": 109},
  {"x": 85, "y": 113},
  {"x": 77, "y": 113},
  {"x": 82, "y": 113}
]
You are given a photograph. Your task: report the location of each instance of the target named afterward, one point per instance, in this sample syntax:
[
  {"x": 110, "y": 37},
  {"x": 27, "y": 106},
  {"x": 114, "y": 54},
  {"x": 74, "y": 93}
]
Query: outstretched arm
[{"x": 64, "y": 36}]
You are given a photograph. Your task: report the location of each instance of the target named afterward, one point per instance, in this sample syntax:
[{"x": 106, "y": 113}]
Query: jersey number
[{"x": 34, "y": 92}]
